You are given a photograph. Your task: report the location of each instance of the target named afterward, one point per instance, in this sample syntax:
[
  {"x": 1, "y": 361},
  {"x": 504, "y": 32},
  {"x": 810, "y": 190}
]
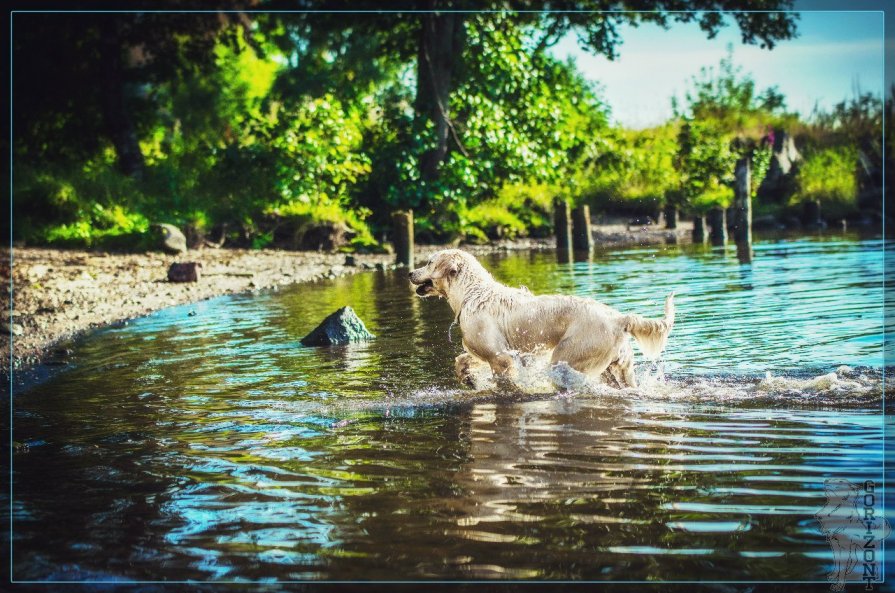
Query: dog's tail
[{"x": 651, "y": 334}]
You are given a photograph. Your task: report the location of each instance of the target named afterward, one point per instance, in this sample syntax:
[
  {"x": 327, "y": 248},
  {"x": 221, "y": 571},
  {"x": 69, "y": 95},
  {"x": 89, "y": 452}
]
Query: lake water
[{"x": 214, "y": 446}]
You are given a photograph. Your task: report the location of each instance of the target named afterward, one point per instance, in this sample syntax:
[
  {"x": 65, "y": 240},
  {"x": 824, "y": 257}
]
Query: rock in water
[
  {"x": 341, "y": 327},
  {"x": 172, "y": 240},
  {"x": 185, "y": 272}
]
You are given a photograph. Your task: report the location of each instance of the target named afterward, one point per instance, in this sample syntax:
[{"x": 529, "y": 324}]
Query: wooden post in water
[
  {"x": 718, "y": 223},
  {"x": 699, "y": 228},
  {"x": 562, "y": 221},
  {"x": 742, "y": 202},
  {"x": 811, "y": 213},
  {"x": 670, "y": 216},
  {"x": 582, "y": 239},
  {"x": 402, "y": 223}
]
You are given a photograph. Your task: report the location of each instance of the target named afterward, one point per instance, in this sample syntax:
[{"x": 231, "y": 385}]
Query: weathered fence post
[
  {"x": 699, "y": 228},
  {"x": 562, "y": 221},
  {"x": 582, "y": 239},
  {"x": 670, "y": 216},
  {"x": 742, "y": 201},
  {"x": 718, "y": 222},
  {"x": 811, "y": 213},
  {"x": 402, "y": 223}
]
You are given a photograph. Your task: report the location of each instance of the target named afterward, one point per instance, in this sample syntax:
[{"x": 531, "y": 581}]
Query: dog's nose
[{"x": 410, "y": 275}]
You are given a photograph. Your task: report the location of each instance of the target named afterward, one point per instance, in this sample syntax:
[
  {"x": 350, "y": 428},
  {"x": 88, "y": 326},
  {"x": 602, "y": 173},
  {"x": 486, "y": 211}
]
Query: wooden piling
[
  {"x": 582, "y": 238},
  {"x": 742, "y": 202},
  {"x": 717, "y": 220},
  {"x": 562, "y": 221},
  {"x": 670, "y": 216},
  {"x": 699, "y": 229},
  {"x": 811, "y": 213},
  {"x": 744, "y": 252},
  {"x": 402, "y": 230}
]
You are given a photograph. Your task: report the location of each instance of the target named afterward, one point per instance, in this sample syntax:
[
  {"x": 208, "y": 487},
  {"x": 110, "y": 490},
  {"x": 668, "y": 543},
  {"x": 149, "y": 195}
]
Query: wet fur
[{"x": 497, "y": 320}]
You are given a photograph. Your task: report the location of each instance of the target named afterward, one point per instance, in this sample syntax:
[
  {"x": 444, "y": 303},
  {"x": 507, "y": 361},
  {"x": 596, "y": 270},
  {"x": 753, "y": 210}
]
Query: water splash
[{"x": 844, "y": 387}]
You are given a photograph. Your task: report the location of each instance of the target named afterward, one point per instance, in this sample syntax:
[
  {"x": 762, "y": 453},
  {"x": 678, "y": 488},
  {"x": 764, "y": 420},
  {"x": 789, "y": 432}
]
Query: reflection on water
[{"x": 215, "y": 446}]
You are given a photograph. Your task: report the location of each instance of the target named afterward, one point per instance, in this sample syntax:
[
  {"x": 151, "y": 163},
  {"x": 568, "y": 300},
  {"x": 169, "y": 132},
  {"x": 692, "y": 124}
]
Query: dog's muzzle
[{"x": 426, "y": 289}]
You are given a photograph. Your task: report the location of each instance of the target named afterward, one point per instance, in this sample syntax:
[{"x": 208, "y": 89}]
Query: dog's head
[{"x": 435, "y": 278}]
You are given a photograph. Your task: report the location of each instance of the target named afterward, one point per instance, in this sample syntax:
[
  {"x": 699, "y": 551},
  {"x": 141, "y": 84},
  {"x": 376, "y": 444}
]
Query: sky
[{"x": 834, "y": 54}]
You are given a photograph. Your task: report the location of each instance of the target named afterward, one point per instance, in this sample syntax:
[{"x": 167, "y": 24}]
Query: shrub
[
  {"x": 519, "y": 209},
  {"x": 829, "y": 175}
]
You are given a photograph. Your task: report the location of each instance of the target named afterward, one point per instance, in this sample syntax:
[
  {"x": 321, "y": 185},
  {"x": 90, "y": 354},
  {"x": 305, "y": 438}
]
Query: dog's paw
[{"x": 463, "y": 366}]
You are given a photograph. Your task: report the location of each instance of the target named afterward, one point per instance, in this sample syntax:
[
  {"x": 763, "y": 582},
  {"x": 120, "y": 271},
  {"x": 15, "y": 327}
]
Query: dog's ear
[{"x": 447, "y": 267}]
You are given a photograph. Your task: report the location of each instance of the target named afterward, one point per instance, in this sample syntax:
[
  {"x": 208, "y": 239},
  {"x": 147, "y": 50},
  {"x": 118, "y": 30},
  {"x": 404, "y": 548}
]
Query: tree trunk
[
  {"x": 117, "y": 117},
  {"x": 440, "y": 48}
]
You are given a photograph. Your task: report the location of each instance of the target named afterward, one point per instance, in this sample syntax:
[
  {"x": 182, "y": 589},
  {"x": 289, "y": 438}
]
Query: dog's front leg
[
  {"x": 463, "y": 366},
  {"x": 503, "y": 365}
]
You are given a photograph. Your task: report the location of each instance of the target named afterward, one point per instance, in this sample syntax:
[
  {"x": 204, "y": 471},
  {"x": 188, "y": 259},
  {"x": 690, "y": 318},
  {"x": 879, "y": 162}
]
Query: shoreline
[{"x": 61, "y": 295}]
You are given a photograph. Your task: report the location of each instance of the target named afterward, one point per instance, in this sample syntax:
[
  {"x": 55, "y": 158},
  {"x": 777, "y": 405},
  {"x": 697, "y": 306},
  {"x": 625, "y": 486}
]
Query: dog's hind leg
[
  {"x": 612, "y": 377},
  {"x": 624, "y": 365},
  {"x": 592, "y": 360}
]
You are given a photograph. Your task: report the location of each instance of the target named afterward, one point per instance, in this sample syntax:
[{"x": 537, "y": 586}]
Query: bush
[
  {"x": 306, "y": 214},
  {"x": 518, "y": 210},
  {"x": 94, "y": 206},
  {"x": 829, "y": 175}
]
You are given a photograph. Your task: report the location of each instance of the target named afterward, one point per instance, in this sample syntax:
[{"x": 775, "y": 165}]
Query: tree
[
  {"x": 441, "y": 38},
  {"x": 81, "y": 78},
  {"x": 724, "y": 119}
]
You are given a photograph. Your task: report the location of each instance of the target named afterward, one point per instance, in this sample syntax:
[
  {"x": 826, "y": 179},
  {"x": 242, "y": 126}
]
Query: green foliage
[
  {"x": 312, "y": 119},
  {"x": 519, "y": 209},
  {"x": 761, "y": 162},
  {"x": 706, "y": 162},
  {"x": 724, "y": 119},
  {"x": 854, "y": 123},
  {"x": 306, "y": 213},
  {"x": 519, "y": 118},
  {"x": 628, "y": 170},
  {"x": 828, "y": 175},
  {"x": 95, "y": 206}
]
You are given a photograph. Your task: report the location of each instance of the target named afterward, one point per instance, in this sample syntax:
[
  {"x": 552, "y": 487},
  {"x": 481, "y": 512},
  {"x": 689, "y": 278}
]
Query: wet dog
[{"x": 498, "y": 321}]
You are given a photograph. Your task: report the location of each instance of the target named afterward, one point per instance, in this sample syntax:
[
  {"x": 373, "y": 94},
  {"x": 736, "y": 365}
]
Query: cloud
[{"x": 654, "y": 66}]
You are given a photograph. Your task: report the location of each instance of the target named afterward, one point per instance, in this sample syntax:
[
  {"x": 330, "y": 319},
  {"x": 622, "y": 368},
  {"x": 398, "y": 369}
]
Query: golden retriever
[{"x": 498, "y": 321}]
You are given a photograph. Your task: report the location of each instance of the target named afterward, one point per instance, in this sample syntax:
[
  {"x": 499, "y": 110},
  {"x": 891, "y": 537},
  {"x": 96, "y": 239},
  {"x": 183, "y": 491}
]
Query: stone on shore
[
  {"x": 170, "y": 238},
  {"x": 185, "y": 272},
  {"x": 341, "y": 327},
  {"x": 15, "y": 329}
]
